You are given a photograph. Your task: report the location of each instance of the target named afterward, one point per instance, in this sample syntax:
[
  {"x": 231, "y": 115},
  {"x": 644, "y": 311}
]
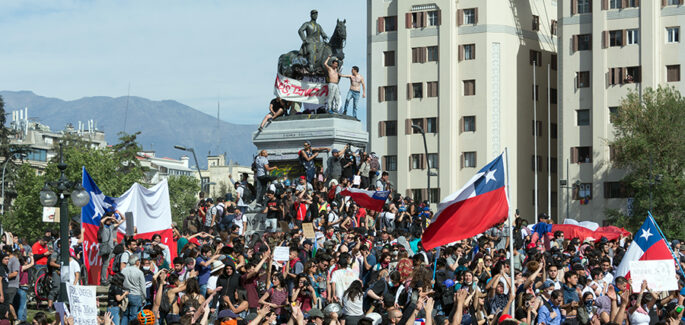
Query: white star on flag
[
  {"x": 490, "y": 175},
  {"x": 646, "y": 234}
]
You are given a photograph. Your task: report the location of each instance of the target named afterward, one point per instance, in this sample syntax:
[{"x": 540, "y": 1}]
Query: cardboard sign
[
  {"x": 50, "y": 214},
  {"x": 281, "y": 253},
  {"x": 82, "y": 302},
  {"x": 660, "y": 275},
  {"x": 308, "y": 229}
]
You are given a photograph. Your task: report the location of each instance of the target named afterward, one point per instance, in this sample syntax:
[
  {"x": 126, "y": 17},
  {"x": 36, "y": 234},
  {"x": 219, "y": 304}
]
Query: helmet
[{"x": 146, "y": 317}]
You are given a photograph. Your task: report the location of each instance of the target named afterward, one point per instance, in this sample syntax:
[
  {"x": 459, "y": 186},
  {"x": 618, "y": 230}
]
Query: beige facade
[
  {"x": 606, "y": 49},
  {"x": 216, "y": 176},
  {"x": 462, "y": 70}
]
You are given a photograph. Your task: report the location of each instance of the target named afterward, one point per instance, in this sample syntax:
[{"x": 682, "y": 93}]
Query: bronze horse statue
[{"x": 295, "y": 65}]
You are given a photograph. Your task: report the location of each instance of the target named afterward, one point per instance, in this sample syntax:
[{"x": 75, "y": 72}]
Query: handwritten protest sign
[
  {"x": 281, "y": 253},
  {"x": 308, "y": 230},
  {"x": 82, "y": 301},
  {"x": 660, "y": 275}
]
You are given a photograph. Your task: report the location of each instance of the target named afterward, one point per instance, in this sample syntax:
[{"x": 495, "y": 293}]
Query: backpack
[
  {"x": 116, "y": 264},
  {"x": 165, "y": 306}
]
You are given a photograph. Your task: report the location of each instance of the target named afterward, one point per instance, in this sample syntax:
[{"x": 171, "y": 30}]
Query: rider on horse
[{"x": 313, "y": 38}]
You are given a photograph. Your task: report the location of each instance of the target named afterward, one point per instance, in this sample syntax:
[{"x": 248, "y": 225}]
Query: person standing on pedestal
[
  {"x": 333, "y": 89},
  {"x": 356, "y": 84}
]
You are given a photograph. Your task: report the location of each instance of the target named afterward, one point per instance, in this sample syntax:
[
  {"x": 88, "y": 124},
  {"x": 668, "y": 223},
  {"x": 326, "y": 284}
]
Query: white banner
[
  {"x": 300, "y": 91},
  {"x": 660, "y": 275},
  {"x": 82, "y": 302},
  {"x": 150, "y": 207}
]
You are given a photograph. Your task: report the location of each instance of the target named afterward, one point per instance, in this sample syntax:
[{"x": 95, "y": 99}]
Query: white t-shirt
[
  {"x": 74, "y": 268},
  {"x": 353, "y": 307},
  {"x": 238, "y": 221},
  {"x": 333, "y": 217},
  {"x": 343, "y": 278},
  {"x": 240, "y": 190}
]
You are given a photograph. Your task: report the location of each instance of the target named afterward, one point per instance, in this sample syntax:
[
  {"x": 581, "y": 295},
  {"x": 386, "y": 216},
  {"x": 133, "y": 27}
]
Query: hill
[{"x": 162, "y": 124}]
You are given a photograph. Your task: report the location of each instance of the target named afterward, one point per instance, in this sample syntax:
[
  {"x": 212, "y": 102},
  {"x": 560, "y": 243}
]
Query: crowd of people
[{"x": 360, "y": 266}]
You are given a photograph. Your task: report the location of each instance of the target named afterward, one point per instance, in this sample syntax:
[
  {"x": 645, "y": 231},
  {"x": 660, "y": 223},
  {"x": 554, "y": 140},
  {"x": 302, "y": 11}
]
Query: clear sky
[{"x": 189, "y": 51}]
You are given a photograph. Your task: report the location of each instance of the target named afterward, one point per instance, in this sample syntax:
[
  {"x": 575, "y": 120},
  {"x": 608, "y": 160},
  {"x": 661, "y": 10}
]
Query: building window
[
  {"x": 536, "y": 89},
  {"x": 433, "y": 18},
  {"x": 615, "y": 4},
  {"x": 539, "y": 163},
  {"x": 468, "y": 159},
  {"x": 553, "y": 95},
  {"x": 387, "y": 93},
  {"x": 673, "y": 73},
  {"x": 582, "y": 191},
  {"x": 418, "y": 19},
  {"x": 433, "y": 160},
  {"x": 432, "y": 53},
  {"x": 583, "y": 79},
  {"x": 417, "y": 161},
  {"x": 417, "y": 122},
  {"x": 432, "y": 89},
  {"x": 553, "y": 27},
  {"x": 390, "y": 163},
  {"x": 584, "y": 6},
  {"x": 387, "y": 128},
  {"x": 536, "y": 23},
  {"x": 37, "y": 155},
  {"x": 553, "y": 62},
  {"x": 468, "y": 124},
  {"x": 553, "y": 130},
  {"x": 389, "y": 58},
  {"x": 418, "y": 55},
  {"x": 616, "y": 38},
  {"x": 674, "y": 2},
  {"x": 416, "y": 90},
  {"x": 552, "y": 168},
  {"x": 537, "y": 128},
  {"x": 467, "y": 52},
  {"x": 387, "y": 24},
  {"x": 469, "y": 87},
  {"x": 470, "y": 16},
  {"x": 580, "y": 155},
  {"x": 431, "y": 125},
  {"x": 434, "y": 196},
  {"x": 672, "y": 34},
  {"x": 535, "y": 57},
  {"x": 615, "y": 190},
  {"x": 613, "y": 110},
  {"x": 633, "y": 36},
  {"x": 417, "y": 194},
  {"x": 632, "y": 74},
  {"x": 632, "y": 4},
  {"x": 582, "y": 42},
  {"x": 583, "y": 117}
]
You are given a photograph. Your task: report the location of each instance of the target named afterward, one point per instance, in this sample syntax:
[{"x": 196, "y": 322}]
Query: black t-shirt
[
  {"x": 273, "y": 214},
  {"x": 4, "y": 273},
  {"x": 112, "y": 295},
  {"x": 276, "y": 105}
]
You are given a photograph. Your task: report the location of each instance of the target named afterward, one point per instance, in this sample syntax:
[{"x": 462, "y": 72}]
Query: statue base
[{"x": 284, "y": 137}]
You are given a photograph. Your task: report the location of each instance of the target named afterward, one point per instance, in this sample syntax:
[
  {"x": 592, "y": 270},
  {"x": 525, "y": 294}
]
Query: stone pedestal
[{"x": 284, "y": 137}]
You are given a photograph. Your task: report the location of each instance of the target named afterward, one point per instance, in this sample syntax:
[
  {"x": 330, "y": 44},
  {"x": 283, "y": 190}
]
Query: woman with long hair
[
  {"x": 353, "y": 302},
  {"x": 304, "y": 293},
  {"x": 192, "y": 291},
  {"x": 277, "y": 296}
]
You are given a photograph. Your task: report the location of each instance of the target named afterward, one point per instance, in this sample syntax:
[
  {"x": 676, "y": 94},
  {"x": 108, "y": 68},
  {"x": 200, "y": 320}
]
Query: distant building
[
  {"x": 215, "y": 177},
  {"x": 161, "y": 168},
  {"x": 42, "y": 141}
]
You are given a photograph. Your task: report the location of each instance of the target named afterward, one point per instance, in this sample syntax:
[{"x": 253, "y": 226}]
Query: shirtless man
[
  {"x": 356, "y": 80},
  {"x": 333, "y": 90}
]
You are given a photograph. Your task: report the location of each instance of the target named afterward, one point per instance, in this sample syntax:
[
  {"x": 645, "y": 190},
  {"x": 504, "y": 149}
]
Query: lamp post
[
  {"x": 428, "y": 165},
  {"x": 48, "y": 198},
  {"x": 197, "y": 165},
  {"x": 563, "y": 183}
]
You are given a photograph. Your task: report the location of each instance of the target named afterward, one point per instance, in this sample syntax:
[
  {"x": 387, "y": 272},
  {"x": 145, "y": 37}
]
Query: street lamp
[
  {"x": 428, "y": 166},
  {"x": 48, "y": 198},
  {"x": 197, "y": 165}
]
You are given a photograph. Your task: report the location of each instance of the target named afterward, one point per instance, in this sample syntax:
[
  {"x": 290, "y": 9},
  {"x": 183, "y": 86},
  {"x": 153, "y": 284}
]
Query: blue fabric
[
  {"x": 21, "y": 313},
  {"x": 116, "y": 315},
  {"x": 545, "y": 313},
  {"x": 135, "y": 305},
  {"x": 354, "y": 96},
  {"x": 542, "y": 228}
]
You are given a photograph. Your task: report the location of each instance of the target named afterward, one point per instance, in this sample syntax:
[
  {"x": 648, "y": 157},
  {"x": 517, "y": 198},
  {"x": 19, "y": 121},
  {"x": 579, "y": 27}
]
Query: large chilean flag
[
  {"x": 374, "y": 200},
  {"x": 479, "y": 205},
  {"x": 151, "y": 211},
  {"x": 647, "y": 245}
]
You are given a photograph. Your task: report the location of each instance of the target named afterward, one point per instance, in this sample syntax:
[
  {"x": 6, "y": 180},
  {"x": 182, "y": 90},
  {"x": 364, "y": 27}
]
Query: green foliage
[
  {"x": 650, "y": 146},
  {"x": 183, "y": 196},
  {"x": 114, "y": 169}
]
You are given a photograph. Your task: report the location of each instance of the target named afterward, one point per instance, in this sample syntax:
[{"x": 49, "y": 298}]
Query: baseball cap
[
  {"x": 227, "y": 313},
  {"x": 335, "y": 151},
  {"x": 547, "y": 284}
]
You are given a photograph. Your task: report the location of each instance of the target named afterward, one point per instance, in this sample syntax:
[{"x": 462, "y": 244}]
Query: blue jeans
[
  {"x": 135, "y": 305},
  {"x": 21, "y": 313},
  {"x": 116, "y": 314},
  {"x": 354, "y": 95},
  {"x": 203, "y": 290}
]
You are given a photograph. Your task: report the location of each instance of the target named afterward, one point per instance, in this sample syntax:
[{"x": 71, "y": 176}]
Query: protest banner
[
  {"x": 82, "y": 303},
  {"x": 308, "y": 230},
  {"x": 660, "y": 275},
  {"x": 50, "y": 214},
  {"x": 281, "y": 253}
]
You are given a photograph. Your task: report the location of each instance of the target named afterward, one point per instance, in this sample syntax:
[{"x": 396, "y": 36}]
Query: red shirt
[{"x": 39, "y": 249}]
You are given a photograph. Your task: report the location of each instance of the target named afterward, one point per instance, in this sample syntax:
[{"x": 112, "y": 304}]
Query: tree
[
  {"x": 10, "y": 154},
  {"x": 650, "y": 146},
  {"x": 183, "y": 196},
  {"x": 112, "y": 168}
]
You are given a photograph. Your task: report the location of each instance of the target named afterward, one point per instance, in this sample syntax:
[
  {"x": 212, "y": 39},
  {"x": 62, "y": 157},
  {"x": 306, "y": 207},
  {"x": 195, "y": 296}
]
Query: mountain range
[{"x": 162, "y": 124}]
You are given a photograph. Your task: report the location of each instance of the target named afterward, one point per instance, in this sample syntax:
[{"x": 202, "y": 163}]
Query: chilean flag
[
  {"x": 478, "y": 206},
  {"x": 647, "y": 245},
  {"x": 374, "y": 200},
  {"x": 151, "y": 211}
]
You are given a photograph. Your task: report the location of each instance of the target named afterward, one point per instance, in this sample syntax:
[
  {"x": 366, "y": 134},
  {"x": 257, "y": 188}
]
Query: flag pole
[
  {"x": 668, "y": 244},
  {"x": 549, "y": 147},
  {"x": 435, "y": 264},
  {"x": 511, "y": 230}
]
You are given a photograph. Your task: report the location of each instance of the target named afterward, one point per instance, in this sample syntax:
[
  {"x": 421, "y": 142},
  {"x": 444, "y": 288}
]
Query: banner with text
[
  {"x": 83, "y": 304},
  {"x": 300, "y": 91}
]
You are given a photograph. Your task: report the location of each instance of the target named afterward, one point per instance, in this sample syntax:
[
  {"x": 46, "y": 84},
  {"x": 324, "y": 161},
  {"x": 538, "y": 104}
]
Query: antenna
[{"x": 128, "y": 95}]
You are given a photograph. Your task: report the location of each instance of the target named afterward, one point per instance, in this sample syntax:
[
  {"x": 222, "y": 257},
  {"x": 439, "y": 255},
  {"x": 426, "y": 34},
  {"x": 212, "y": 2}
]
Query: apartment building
[
  {"x": 463, "y": 71},
  {"x": 606, "y": 49}
]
